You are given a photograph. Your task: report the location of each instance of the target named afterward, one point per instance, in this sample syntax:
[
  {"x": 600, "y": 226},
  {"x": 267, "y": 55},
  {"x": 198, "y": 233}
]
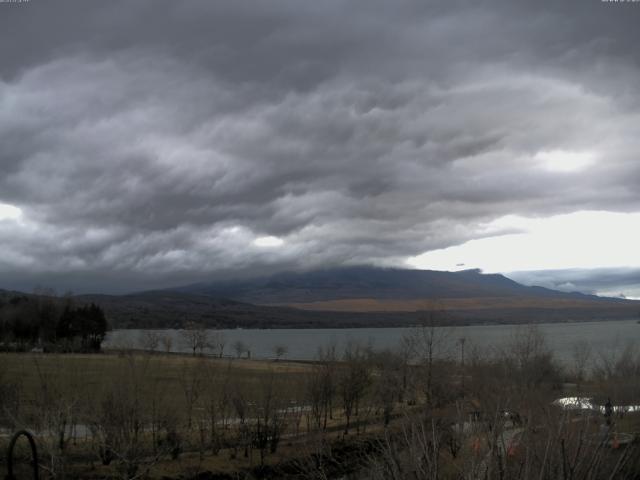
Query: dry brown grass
[
  {"x": 416, "y": 305},
  {"x": 86, "y": 375}
]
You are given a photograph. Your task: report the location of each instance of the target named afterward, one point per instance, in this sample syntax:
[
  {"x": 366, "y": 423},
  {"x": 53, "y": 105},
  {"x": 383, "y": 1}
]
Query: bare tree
[
  {"x": 158, "y": 411},
  {"x": 240, "y": 401},
  {"x": 618, "y": 372},
  {"x": 195, "y": 338},
  {"x": 56, "y": 409},
  {"x": 429, "y": 343},
  {"x": 405, "y": 353},
  {"x": 529, "y": 358},
  {"x": 387, "y": 386},
  {"x": 192, "y": 380},
  {"x": 320, "y": 388},
  {"x": 415, "y": 453},
  {"x": 9, "y": 400},
  {"x": 280, "y": 351},
  {"x": 580, "y": 357},
  {"x": 269, "y": 416},
  {"x": 354, "y": 379},
  {"x": 167, "y": 343},
  {"x": 149, "y": 341},
  {"x": 118, "y": 420},
  {"x": 239, "y": 347},
  {"x": 217, "y": 401},
  {"x": 217, "y": 343}
]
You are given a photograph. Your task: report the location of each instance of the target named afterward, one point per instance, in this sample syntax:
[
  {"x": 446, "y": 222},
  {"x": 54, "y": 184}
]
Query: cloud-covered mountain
[
  {"x": 371, "y": 282},
  {"x": 368, "y": 289},
  {"x": 354, "y": 297}
]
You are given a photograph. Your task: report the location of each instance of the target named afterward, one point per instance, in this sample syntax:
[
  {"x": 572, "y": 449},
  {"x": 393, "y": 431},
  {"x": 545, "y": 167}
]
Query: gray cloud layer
[{"x": 151, "y": 142}]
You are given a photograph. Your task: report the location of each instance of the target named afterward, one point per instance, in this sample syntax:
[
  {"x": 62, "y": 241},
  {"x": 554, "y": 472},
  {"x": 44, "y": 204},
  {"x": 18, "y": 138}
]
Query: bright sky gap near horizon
[{"x": 153, "y": 144}]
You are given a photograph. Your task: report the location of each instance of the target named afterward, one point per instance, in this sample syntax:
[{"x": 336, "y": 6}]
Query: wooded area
[{"x": 50, "y": 324}]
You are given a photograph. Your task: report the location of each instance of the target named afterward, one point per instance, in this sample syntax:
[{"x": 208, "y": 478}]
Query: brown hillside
[{"x": 415, "y": 305}]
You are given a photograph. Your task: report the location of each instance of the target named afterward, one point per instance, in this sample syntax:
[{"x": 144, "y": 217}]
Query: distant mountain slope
[
  {"x": 161, "y": 309},
  {"x": 155, "y": 309},
  {"x": 459, "y": 304},
  {"x": 374, "y": 283},
  {"x": 165, "y": 309},
  {"x": 355, "y": 297}
]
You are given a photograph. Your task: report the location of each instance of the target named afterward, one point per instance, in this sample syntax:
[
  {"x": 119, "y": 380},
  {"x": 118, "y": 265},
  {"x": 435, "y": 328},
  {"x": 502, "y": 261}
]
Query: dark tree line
[{"x": 50, "y": 323}]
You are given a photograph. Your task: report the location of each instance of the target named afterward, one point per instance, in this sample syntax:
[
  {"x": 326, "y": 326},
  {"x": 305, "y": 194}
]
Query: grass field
[
  {"x": 84, "y": 390},
  {"x": 188, "y": 392},
  {"x": 78, "y": 375},
  {"x": 175, "y": 416}
]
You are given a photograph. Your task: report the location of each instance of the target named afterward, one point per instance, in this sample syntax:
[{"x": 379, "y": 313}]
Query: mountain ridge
[
  {"x": 372, "y": 282},
  {"x": 354, "y": 297}
]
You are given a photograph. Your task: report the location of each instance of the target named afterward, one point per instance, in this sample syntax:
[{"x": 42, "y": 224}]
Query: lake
[{"x": 303, "y": 344}]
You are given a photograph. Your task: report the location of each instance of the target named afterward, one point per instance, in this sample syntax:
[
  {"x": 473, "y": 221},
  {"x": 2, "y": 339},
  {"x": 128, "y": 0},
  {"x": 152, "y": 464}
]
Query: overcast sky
[{"x": 154, "y": 143}]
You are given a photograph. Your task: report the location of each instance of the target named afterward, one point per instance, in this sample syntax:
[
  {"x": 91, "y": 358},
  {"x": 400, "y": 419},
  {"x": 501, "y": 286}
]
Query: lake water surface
[{"x": 303, "y": 344}]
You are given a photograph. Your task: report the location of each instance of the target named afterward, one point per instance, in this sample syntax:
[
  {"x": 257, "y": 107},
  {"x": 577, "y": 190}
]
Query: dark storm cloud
[{"x": 156, "y": 140}]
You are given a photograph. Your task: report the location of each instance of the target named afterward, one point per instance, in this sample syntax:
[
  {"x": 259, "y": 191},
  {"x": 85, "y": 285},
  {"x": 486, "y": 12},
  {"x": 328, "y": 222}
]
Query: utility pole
[{"x": 462, "y": 340}]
